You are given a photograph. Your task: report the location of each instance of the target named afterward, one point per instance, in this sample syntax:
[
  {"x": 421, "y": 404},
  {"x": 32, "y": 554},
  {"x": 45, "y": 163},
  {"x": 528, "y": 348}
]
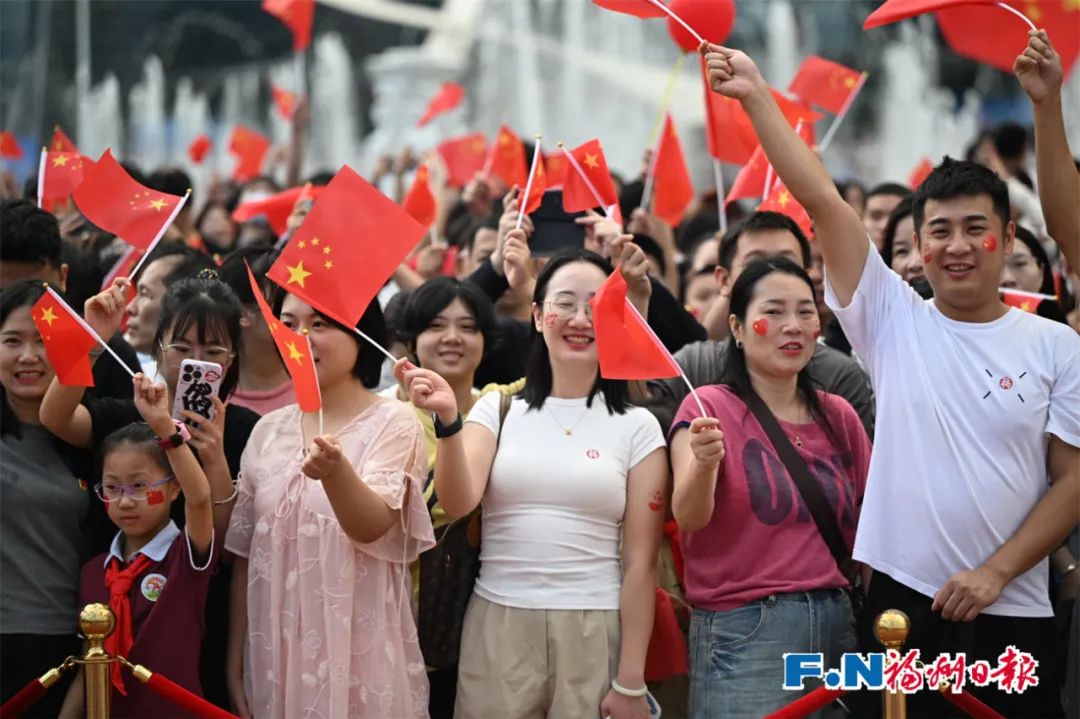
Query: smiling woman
[{"x": 45, "y": 500}]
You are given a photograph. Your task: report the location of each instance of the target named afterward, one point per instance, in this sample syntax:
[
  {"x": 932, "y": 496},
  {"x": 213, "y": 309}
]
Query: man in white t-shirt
[{"x": 975, "y": 473}]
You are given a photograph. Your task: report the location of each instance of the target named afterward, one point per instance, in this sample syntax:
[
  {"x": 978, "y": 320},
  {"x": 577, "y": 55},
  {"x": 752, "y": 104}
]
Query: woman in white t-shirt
[{"x": 573, "y": 490}]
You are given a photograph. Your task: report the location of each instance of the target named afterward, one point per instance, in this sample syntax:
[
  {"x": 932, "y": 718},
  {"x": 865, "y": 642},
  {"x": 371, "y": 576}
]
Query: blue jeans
[{"x": 737, "y": 656}]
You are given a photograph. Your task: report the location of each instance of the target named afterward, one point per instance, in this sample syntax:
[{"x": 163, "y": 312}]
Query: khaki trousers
[{"x": 535, "y": 663}]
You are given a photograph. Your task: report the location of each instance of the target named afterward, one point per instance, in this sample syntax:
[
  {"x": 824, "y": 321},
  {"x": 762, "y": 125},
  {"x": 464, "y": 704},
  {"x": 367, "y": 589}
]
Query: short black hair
[
  {"x": 84, "y": 275},
  {"x": 29, "y": 234},
  {"x": 188, "y": 261},
  {"x": 1011, "y": 139},
  {"x": 902, "y": 210},
  {"x": 435, "y": 295},
  {"x": 170, "y": 180},
  {"x": 888, "y": 188},
  {"x": 960, "y": 178},
  {"x": 729, "y": 244},
  {"x": 233, "y": 270}
]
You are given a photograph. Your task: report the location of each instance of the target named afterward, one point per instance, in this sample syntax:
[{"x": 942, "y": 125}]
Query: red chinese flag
[
  {"x": 198, "y": 148},
  {"x": 508, "y": 161},
  {"x": 555, "y": 168},
  {"x": 824, "y": 83},
  {"x": 447, "y": 98},
  {"x": 920, "y": 173},
  {"x": 284, "y": 101},
  {"x": 348, "y": 247},
  {"x": 9, "y": 146},
  {"x": 626, "y": 346},
  {"x": 297, "y": 15},
  {"x": 464, "y": 158},
  {"x": 993, "y": 36},
  {"x": 895, "y": 10},
  {"x": 781, "y": 200},
  {"x": 750, "y": 182},
  {"x": 250, "y": 148},
  {"x": 578, "y": 196},
  {"x": 276, "y": 208},
  {"x": 1022, "y": 300},
  {"x": 295, "y": 353},
  {"x": 673, "y": 190},
  {"x": 67, "y": 340},
  {"x": 637, "y": 8},
  {"x": 122, "y": 268},
  {"x": 61, "y": 142},
  {"x": 419, "y": 202},
  {"x": 113, "y": 201},
  {"x": 63, "y": 172}
]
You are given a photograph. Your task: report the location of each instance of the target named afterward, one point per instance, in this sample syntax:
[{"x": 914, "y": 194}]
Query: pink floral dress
[{"x": 330, "y": 627}]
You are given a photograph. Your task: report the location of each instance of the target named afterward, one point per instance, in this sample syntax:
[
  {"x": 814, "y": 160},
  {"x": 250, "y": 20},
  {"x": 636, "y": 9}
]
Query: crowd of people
[{"x": 487, "y": 528}]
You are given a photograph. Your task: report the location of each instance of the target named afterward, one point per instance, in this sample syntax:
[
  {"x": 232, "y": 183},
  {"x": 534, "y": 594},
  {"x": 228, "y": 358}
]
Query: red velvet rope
[
  {"x": 25, "y": 699},
  {"x": 181, "y": 697},
  {"x": 970, "y": 705},
  {"x": 806, "y": 705}
]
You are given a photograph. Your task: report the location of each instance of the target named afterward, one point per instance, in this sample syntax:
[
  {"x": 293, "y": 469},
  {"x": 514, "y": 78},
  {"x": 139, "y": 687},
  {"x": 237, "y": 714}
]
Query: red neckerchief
[{"x": 118, "y": 581}]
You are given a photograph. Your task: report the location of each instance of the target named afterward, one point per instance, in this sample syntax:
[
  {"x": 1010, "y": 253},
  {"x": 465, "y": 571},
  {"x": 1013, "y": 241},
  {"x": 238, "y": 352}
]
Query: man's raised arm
[{"x": 843, "y": 238}]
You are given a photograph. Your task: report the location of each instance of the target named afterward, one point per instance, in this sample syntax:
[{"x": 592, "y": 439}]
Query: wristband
[
  {"x": 620, "y": 689},
  {"x": 442, "y": 431}
]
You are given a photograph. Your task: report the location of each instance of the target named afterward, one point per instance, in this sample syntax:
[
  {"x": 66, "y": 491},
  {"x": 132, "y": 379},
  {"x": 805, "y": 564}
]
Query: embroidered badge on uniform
[{"x": 152, "y": 585}]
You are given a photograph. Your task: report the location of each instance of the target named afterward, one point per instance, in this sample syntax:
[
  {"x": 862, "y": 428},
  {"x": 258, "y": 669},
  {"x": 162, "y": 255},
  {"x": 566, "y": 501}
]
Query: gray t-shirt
[
  {"x": 41, "y": 507},
  {"x": 834, "y": 372}
]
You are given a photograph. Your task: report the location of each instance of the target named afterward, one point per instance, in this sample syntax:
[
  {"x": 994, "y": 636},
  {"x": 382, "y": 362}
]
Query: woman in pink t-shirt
[{"x": 759, "y": 575}]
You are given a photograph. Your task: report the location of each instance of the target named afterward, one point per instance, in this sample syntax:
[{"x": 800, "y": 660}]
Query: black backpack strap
[{"x": 809, "y": 488}]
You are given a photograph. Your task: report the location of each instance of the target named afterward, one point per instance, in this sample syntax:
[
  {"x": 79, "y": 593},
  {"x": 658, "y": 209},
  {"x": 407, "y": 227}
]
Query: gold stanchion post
[
  {"x": 891, "y": 629},
  {"x": 97, "y": 622}
]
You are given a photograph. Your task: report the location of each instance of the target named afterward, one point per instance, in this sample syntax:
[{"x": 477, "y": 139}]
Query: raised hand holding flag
[{"x": 68, "y": 340}]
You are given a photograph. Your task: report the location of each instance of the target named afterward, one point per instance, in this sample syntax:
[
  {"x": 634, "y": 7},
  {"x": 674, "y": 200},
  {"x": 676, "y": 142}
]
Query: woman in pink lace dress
[{"x": 324, "y": 530}]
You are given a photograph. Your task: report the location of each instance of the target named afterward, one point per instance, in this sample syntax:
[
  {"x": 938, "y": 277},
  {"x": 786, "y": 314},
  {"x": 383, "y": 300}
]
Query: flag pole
[
  {"x": 676, "y": 18},
  {"x": 843, "y": 112},
  {"x": 645, "y": 323},
  {"x": 585, "y": 178},
  {"x": 161, "y": 232},
  {"x": 650, "y": 174},
  {"x": 375, "y": 344},
  {"x": 300, "y": 68},
  {"x": 41, "y": 175},
  {"x": 768, "y": 182},
  {"x": 1025, "y": 293},
  {"x": 89, "y": 329},
  {"x": 721, "y": 207},
  {"x": 665, "y": 101},
  {"x": 524, "y": 199},
  {"x": 1018, "y": 14}
]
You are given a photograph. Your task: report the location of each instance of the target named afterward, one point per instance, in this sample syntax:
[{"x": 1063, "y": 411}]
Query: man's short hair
[
  {"x": 729, "y": 244},
  {"x": 888, "y": 188},
  {"x": 29, "y": 234},
  {"x": 960, "y": 178}
]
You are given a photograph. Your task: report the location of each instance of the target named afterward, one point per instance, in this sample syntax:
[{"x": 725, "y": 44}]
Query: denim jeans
[{"x": 737, "y": 656}]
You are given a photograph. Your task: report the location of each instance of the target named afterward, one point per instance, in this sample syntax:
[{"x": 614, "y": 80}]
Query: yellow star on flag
[
  {"x": 60, "y": 161},
  {"x": 314, "y": 241},
  {"x": 297, "y": 274},
  {"x": 1072, "y": 5},
  {"x": 302, "y": 244},
  {"x": 592, "y": 161},
  {"x": 1033, "y": 12},
  {"x": 329, "y": 265},
  {"x": 1027, "y": 306},
  {"x": 504, "y": 139},
  {"x": 849, "y": 82},
  {"x": 158, "y": 204},
  {"x": 785, "y": 198},
  {"x": 294, "y": 354},
  {"x": 49, "y": 316},
  {"x": 326, "y": 250},
  {"x": 478, "y": 146}
]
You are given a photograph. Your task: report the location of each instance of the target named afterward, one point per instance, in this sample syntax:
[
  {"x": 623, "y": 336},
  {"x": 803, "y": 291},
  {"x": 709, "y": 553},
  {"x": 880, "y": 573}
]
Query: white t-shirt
[
  {"x": 963, "y": 414},
  {"x": 554, "y": 505}
]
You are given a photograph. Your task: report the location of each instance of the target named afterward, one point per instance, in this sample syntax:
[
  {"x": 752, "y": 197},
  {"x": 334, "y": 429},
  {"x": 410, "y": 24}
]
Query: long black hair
[
  {"x": 903, "y": 209},
  {"x": 538, "y": 378},
  {"x": 735, "y": 373},
  {"x": 212, "y": 308}
]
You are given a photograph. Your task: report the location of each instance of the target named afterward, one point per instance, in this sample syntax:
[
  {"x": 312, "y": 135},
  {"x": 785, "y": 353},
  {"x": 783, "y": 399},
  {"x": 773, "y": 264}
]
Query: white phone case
[{"x": 197, "y": 384}]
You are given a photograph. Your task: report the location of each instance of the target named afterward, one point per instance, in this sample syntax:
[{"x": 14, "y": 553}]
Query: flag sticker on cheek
[
  {"x": 761, "y": 327},
  {"x": 155, "y": 497},
  {"x": 927, "y": 256},
  {"x": 990, "y": 244},
  {"x": 550, "y": 320}
]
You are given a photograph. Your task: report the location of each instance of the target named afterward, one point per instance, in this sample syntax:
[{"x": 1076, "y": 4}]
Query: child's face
[{"x": 130, "y": 470}]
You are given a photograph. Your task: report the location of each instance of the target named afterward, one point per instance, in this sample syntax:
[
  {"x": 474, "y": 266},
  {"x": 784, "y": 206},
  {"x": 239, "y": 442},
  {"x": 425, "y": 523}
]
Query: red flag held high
[
  {"x": 447, "y": 98},
  {"x": 637, "y": 8},
  {"x": 673, "y": 190},
  {"x": 577, "y": 195},
  {"x": 66, "y": 338},
  {"x": 284, "y": 101},
  {"x": 113, "y": 201},
  {"x": 895, "y": 10},
  {"x": 464, "y": 157},
  {"x": 295, "y": 353},
  {"x": 61, "y": 142},
  {"x": 555, "y": 168},
  {"x": 781, "y": 200},
  {"x": 419, "y": 202},
  {"x": 250, "y": 148},
  {"x": 920, "y": 173},
  {"x": 348, "y": 247},
  {"x": 9, "y": 146},
  {"x": 626, "y": 346},
  {"x": 276, "y": 208},
  {"x": 198, "y": 148},
  {"x": 63, "y": 172},
  {"x": 824, "y": 83},
  {"x": 508, "y": 161},
  {"x": 297, "y": 15}
]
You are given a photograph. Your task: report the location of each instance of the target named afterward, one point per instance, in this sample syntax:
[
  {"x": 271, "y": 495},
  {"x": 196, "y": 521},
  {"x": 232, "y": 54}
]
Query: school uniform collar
[{"x": 155, "y": 549}]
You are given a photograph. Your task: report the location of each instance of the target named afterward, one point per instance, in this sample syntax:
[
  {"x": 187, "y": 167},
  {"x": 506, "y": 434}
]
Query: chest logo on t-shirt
[
  {"x": 152, "y": 585},
  {"x": 593, "y": 454},
  {"x": 1005, "y": 383}
]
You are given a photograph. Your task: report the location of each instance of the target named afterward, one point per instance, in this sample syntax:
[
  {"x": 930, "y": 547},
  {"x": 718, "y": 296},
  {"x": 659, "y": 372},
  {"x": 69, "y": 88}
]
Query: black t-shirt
[
  {"x": 505, "y": 361},
  {"x": 110, "y": 379}
]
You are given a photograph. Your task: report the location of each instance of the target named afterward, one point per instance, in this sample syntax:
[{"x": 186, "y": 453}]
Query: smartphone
[
  {"x": 199, "y": 381},
  {"x": 555, "y": 228}
]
